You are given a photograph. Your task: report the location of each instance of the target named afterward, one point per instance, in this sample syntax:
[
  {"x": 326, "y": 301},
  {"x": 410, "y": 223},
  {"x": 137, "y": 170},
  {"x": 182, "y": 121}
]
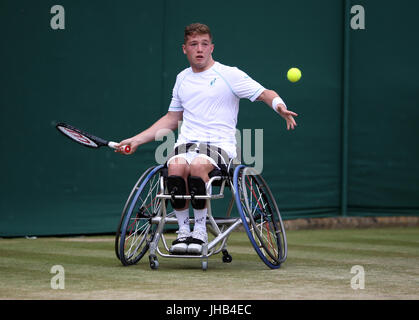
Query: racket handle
[{"x": 114, "y": 145}]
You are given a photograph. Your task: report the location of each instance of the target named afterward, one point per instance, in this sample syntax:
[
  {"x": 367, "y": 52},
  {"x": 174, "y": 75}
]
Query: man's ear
[{"x": 183, "y": 48}]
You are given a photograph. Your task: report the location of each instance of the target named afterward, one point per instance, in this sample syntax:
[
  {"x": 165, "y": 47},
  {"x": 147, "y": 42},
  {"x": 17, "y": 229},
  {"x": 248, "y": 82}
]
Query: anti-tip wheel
[
  {"x": 154, "y": 263},
  {"x": 227, "y": 258}
]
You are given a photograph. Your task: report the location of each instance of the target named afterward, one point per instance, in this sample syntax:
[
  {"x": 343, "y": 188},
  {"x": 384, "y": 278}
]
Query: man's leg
[
  {"x": 200, "y": 167},
  {"x": 179, "y": 167}
]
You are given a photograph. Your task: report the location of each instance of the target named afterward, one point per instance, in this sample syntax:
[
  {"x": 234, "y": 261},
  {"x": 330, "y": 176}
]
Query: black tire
[{"x": 261, "y": 217}]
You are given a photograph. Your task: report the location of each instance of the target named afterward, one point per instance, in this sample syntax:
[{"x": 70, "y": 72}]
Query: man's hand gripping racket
[{"x": 88, "y": 139}]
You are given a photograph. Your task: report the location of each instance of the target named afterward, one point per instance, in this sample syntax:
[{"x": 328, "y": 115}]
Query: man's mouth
[{"x": 200, "y": 57}]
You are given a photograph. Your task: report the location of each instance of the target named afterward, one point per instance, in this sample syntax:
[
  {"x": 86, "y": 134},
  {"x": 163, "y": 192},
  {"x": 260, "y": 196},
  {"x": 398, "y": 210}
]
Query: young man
[{"x": 206, "y": 97}]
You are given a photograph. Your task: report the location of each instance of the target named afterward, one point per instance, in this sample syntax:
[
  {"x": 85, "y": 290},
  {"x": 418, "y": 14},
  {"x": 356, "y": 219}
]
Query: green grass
[{"x": 318, "y": 267}]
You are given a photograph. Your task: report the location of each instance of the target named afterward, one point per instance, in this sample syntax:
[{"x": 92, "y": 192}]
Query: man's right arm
[{"x": 169, "y": 122}]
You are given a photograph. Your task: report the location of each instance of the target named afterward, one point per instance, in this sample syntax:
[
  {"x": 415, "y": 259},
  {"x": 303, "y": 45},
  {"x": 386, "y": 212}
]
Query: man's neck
[{"x": 208, "y": 66}]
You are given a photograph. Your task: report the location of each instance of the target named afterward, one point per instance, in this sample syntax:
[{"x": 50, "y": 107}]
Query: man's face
[{"x": 198, "y": 50}]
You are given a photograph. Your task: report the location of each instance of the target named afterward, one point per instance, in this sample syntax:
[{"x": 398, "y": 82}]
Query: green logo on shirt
[{"x": 213, "y": 81}]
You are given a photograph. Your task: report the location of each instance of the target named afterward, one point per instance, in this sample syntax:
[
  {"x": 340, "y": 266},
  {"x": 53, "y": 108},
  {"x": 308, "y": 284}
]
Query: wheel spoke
[{"x": 137, "y": 237}]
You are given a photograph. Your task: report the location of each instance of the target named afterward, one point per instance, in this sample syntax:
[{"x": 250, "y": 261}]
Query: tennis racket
[{"x": 87, "y": 139}]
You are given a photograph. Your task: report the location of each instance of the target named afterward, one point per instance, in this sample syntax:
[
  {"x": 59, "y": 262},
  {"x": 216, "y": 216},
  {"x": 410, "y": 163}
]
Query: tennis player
[{"x": 206, "y": 97}]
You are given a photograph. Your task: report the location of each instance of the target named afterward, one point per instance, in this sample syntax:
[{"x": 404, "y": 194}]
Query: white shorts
[{"x": 192, "y": 154}]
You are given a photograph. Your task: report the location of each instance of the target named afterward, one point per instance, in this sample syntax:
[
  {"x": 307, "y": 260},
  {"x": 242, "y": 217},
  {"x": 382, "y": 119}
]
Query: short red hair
[{"x": 196, "y": 28}]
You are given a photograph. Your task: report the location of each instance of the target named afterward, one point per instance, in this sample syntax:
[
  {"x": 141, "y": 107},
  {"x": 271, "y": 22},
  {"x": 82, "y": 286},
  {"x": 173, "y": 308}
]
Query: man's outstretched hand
[{"x": 288, "y": 115}]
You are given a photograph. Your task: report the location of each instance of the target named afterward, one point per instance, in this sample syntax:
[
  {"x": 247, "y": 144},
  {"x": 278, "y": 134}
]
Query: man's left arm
[{"x": 272, "y": 99}]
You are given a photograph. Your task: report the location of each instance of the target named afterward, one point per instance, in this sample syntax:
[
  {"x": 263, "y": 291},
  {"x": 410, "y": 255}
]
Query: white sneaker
[
  {"x": 198, "y": 238},
  {"x": 180, "y": 245}
]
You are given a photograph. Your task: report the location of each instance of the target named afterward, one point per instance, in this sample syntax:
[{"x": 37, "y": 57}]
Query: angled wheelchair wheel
[
  {"x": 137, "y": 231},
  {"x": 260, "y": 215},
  {"x": 127, "y": 205}
]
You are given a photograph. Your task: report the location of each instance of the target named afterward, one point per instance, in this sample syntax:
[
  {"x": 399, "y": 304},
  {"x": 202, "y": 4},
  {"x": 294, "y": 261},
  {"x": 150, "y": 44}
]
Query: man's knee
[
  {"x": 178, "y": 167},
  {"x": 200, "y": 167}
]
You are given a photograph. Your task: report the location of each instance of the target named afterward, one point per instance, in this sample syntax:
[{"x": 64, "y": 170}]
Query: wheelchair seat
[{"x": 217, "y": 173}]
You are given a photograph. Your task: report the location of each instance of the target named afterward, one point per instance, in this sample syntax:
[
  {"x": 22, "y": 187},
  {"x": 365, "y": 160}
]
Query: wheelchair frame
[{"x": 153, "y": 234}]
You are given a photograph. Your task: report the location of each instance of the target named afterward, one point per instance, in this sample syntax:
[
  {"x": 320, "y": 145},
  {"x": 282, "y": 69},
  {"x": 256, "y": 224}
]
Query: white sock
[
  {"x": 200, "y": 216},
  {"x": 200, "y": 219},
  {"x": 183, "y": 219}
]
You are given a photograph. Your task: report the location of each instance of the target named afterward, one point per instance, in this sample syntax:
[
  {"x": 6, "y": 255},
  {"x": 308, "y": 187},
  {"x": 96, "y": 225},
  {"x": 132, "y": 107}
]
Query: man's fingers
[
  {"x": 291, "y": 120},
  {"x": 289, "y": 117},
  {"x": 291, "y": 113},
  {"x": 123, "y": 147},
  {"x": 291, "y": 124}
]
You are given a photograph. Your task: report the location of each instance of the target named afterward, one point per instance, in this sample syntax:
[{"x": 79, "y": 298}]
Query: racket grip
[{"x": 114, "y": 145}]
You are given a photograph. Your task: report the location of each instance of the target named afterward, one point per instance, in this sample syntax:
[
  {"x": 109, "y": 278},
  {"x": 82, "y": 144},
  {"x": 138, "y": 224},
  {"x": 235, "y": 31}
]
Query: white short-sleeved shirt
[{"x": 210, "y": 104}]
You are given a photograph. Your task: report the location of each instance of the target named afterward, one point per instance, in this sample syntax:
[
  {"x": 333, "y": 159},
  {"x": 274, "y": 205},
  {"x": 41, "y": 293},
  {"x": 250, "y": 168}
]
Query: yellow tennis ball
[{"x": 294, "y": 74}]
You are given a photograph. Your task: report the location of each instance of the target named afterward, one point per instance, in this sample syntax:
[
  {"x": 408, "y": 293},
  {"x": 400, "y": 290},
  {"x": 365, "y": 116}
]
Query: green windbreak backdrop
[
  {"x": 111, "y": 71},
  {"x": 384, "y": 111}
]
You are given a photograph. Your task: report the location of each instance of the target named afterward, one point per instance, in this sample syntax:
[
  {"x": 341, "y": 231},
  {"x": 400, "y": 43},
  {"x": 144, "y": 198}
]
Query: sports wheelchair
[{"x": 147, "y": 215}]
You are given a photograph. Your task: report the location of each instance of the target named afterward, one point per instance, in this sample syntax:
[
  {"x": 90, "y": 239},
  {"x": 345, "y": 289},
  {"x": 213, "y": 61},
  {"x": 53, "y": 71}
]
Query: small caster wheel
[
  {"x": 227, "y": 258},
  {"x": 154, "y": 264},
  {"x": 204, "y": 265}
]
